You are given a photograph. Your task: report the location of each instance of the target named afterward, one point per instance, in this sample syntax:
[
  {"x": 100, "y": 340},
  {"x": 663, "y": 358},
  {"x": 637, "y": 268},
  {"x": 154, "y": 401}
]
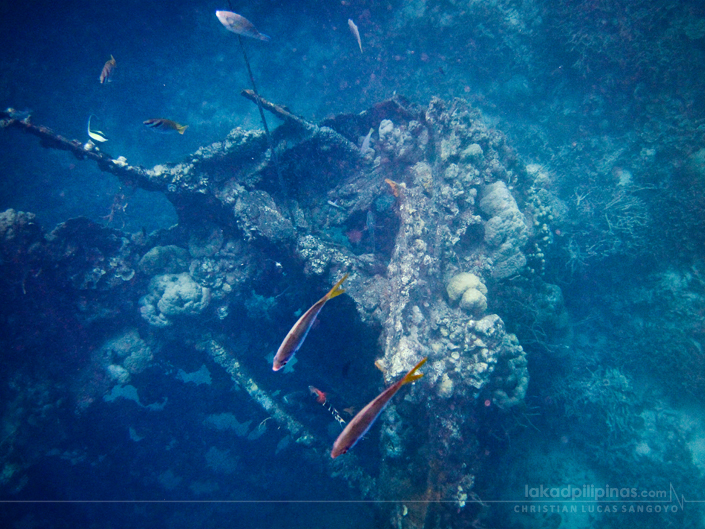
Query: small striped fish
[{"x": 165, "y": 126}]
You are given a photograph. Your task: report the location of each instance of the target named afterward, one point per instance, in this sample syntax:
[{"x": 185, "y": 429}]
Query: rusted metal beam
[{"x": 128, "y": 174}]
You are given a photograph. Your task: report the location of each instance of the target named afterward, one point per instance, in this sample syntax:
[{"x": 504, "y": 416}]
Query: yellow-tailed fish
[
  {"x": 240, "y": 25},
  {"x": 95, "y": 134},
  {"x": 362, "y": 422},
  {"x": 165, "y": 126},
  {"x": 354, "y": 30},
  {"x": 107, "y": 70},
  {"x": 298, "y": 332}
]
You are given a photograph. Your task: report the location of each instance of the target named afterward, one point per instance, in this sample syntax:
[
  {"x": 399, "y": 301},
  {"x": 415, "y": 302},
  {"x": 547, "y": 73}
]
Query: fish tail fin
[
  {"x": 182, "y": 128},
  {"x": 337, "y": 290},
  {"x": 410, "y": 376},
  {"x": 265, "y": 38}
]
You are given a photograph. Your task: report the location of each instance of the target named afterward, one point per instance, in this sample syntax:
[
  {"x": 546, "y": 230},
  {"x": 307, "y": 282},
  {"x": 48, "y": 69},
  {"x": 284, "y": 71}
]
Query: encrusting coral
[{"x": 424, "y": 279}]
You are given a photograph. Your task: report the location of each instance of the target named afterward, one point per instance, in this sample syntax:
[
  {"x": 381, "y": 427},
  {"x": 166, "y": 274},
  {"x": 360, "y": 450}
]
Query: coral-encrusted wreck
[{"x": 426, "y": 222}]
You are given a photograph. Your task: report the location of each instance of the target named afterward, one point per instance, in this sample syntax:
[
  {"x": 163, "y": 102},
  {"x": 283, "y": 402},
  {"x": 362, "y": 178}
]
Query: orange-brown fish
[
  {"x": 165, "y": 126},
  {"x": 240, "y": 25},
  {"x": 362, "y": 422},
  {"x": 355, "y": 32},
  {"x": 320, "y": 396},
  {"x": 298, "y": 332},
  {"x": 107, "y": 70}
]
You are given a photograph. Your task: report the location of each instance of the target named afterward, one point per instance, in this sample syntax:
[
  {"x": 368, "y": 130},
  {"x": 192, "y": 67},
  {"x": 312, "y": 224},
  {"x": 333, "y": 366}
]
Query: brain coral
[
  {"x": 173, "y": 295},
  {"x": 471, "y": 291},
  {"x": 505, "y": 231}
]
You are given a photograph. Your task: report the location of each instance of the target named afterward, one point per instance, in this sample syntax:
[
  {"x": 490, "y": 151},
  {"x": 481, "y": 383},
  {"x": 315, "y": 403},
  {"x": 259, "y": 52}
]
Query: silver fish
[
  {"x": 96, "y": 135},
  {"x": 366, "y": 143},
  {"x": 353, "y": 29},
  {"x": 240, "y": 25}
]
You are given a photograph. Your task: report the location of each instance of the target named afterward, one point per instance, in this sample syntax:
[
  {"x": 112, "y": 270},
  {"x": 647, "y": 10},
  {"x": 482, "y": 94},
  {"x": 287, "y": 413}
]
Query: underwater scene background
[{"x": 516, "y": 190}]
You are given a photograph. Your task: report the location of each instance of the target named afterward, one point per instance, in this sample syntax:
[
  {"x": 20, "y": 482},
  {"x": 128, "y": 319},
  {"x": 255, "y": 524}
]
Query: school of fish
[
  {"x": 232, "y": 22},
  {"x": 365, "y": 418}
]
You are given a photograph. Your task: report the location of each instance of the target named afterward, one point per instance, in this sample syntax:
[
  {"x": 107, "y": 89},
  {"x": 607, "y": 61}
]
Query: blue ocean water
[{"x": 109, "y": 420}]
